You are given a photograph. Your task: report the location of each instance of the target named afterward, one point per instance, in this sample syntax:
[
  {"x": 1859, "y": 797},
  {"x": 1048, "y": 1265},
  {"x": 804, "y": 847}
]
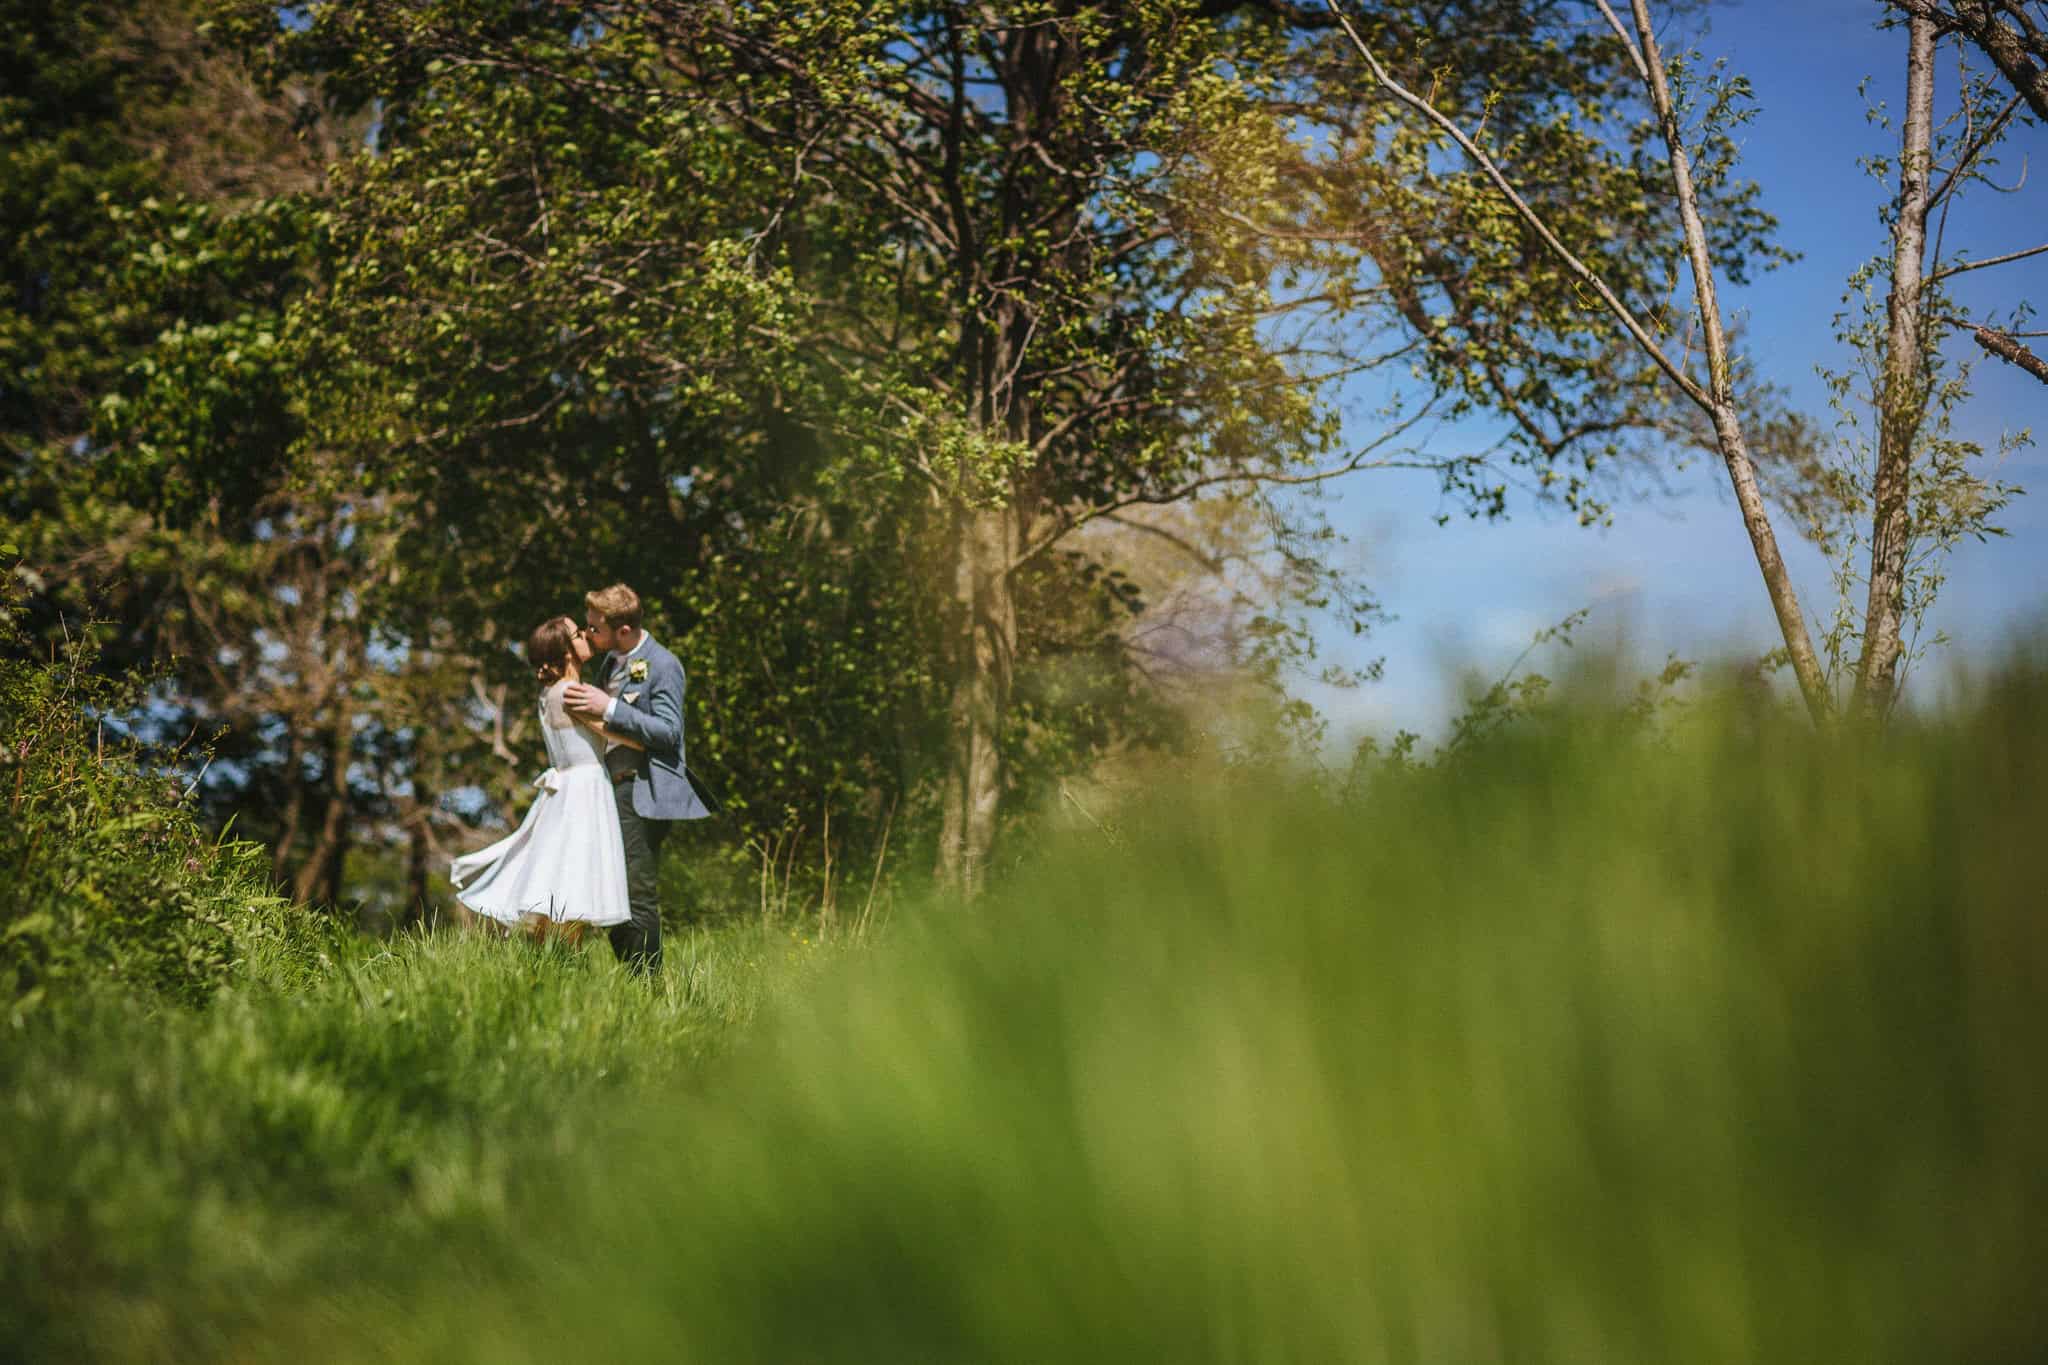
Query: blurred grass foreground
[{"x": 1718, "y": 1044}]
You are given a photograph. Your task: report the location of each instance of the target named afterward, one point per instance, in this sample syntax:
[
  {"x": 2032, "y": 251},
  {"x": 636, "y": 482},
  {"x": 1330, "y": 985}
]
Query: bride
[{"x": 565, "y": 866}]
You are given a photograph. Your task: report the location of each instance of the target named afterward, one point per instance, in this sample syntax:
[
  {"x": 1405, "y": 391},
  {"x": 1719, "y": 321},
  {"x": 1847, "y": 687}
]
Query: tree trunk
[
  {"x": 419, "y": 853},
  {"x": 1728, "y": 431},
  {"x": 320, "y": 878},
  {"x": 294, "y": 808},
  {"x": 1717, "y": 398},
  {"x": 333, "y": 871},
  {"x": 313, "y": 879},
  {"x": 1763, "y": 543},
  {"x": 2015, "y": 49},
  {"x": 983, "y": 651},
  {"x": 990, "y": 507},
  {"x": 1902, "y": 402}
]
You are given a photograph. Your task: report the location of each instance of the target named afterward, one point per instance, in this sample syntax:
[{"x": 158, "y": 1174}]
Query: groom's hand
[{"x": 586, "y": 701}]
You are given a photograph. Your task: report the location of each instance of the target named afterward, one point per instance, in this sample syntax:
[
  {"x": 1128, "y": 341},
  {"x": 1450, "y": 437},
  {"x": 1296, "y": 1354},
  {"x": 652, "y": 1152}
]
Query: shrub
[{"x": 110, "y": 880}]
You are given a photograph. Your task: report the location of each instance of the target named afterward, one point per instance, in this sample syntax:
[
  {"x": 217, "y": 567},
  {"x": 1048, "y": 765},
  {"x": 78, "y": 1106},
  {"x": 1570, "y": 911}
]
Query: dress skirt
[{"x": 565, "y": 862}]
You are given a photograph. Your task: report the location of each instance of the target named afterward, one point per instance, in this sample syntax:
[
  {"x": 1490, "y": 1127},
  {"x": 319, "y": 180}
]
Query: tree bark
[
  {"x": 2004, "y": 33},
  {"x": 333, "y": 871},
  {"x": 419, "y": 852},
  {"x": 983, "y": 648},
  {"x": 991, "y": 509},
  {"x": 2010, "y": 351},
  {"x": 320, "y": 877},
  {"x": 294, "y": 808},
  {"x": 1902, "y": 403}
]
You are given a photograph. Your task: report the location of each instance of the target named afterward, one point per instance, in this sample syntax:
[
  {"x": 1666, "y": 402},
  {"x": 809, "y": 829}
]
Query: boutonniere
[{"x": 637, "y": 670}]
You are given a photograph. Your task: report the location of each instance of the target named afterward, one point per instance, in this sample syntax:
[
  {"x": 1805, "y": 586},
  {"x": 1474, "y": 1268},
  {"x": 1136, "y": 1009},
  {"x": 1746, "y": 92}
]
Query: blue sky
[{"x": 1677, "y": 573}]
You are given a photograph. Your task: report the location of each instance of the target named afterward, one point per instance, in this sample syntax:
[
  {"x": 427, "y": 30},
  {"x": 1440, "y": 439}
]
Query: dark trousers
[{"x": 637, "y": 942}]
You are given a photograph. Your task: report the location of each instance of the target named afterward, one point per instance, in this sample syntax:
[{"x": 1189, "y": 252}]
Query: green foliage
[
  {"x": 660, "y": 294},
  {"x": 743, "y": 307},
  {"x": 728, "y": 305},
  {"x": 113, "y": 883},
  {"x": 122, "y": 130},
  {"x": 62, "y": 157},
  {"x": 155, "y": 219}
]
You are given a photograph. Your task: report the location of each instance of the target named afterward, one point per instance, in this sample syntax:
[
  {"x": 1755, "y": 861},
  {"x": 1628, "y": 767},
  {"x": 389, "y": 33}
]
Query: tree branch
[
  {"x": 1962, "y": 266},
  {"x": 1178, "y": 541},
  {"x": 1359, "y": 459},
  {"x": 1975, "y": 148},
  {"x": 2005, "y": 348},
  {"x": 1584, "y": 273},
  {"x": 2020, "y": 54}
]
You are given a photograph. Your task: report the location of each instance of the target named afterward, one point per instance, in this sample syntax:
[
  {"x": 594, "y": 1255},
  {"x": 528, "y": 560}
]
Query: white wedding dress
[{"x": 566, "y": 860}]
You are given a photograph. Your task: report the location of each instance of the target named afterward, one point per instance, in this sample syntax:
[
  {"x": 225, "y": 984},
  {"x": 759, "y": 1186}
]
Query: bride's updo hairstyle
[{"x": 547, "y": 649}]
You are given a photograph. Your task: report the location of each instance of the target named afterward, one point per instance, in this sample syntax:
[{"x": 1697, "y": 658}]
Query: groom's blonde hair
[{"x": 619, "y": 605}]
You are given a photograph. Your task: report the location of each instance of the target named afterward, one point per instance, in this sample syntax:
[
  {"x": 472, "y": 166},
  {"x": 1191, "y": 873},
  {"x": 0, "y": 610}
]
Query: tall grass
[
  {"x": 165, "y": 1173},
  {"x": 1716, "y": 1046}
]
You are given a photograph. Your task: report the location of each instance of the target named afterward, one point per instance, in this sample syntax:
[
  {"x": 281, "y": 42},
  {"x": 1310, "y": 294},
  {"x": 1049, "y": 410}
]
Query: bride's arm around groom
[
  {"x": 640, "y": 697},
  {"x": 648, "y": 710}
]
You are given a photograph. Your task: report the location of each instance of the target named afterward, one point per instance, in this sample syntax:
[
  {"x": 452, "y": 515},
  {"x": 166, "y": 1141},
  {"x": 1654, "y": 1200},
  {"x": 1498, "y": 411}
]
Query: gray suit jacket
[{"x": 650, "y": 709}]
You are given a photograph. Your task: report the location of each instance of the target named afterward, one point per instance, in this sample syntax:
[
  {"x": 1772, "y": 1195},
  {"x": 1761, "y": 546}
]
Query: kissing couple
[{"x": 588, "y": 852}]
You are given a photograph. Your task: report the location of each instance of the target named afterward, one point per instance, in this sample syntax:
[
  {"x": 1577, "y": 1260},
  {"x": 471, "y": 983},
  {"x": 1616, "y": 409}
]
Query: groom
[{"x": 639, "y": 693}]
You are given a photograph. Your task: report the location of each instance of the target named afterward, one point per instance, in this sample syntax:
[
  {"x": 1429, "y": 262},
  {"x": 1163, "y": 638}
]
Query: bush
[{"x": 110, "y": 880}]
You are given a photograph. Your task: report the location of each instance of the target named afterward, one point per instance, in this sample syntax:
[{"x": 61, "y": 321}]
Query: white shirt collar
[{"x": 644, "y": 638}]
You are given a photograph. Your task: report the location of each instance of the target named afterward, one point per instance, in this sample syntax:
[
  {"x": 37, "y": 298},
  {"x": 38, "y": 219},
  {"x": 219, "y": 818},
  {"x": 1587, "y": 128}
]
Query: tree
[
  {"x": 533, "y": 343},
  {"x": 1958, "y": 503},
  {"x": 987, "y": 277},
  {"x": 1901, "y": 402},
  {"x": 1923, "y": 494},
  {"x": 1715, "y": 398},
  {"x": 156, "y": 207},
  {"x": 2012, "y": 33},
  {"x": 860, "y": 336}
]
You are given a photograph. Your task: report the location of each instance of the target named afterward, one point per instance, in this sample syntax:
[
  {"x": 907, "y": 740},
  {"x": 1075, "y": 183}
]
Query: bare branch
[
  {"x": 2002, "y": 345},
  {"x": 1247, "y": 478},
  {"x": 1962, "y": 266},
  {"x": 1975, "y": 148},
  {"x": 1628, "y": 42},
  {"x": 1178, "y": 541}
]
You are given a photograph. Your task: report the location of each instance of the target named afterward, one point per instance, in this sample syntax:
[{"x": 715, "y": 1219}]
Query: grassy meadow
[{"x": 1714, "y": 1043}]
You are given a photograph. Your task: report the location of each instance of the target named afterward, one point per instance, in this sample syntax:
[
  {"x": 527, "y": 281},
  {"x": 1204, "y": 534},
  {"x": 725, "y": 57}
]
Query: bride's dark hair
[{"x": 547, "y": 649}]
